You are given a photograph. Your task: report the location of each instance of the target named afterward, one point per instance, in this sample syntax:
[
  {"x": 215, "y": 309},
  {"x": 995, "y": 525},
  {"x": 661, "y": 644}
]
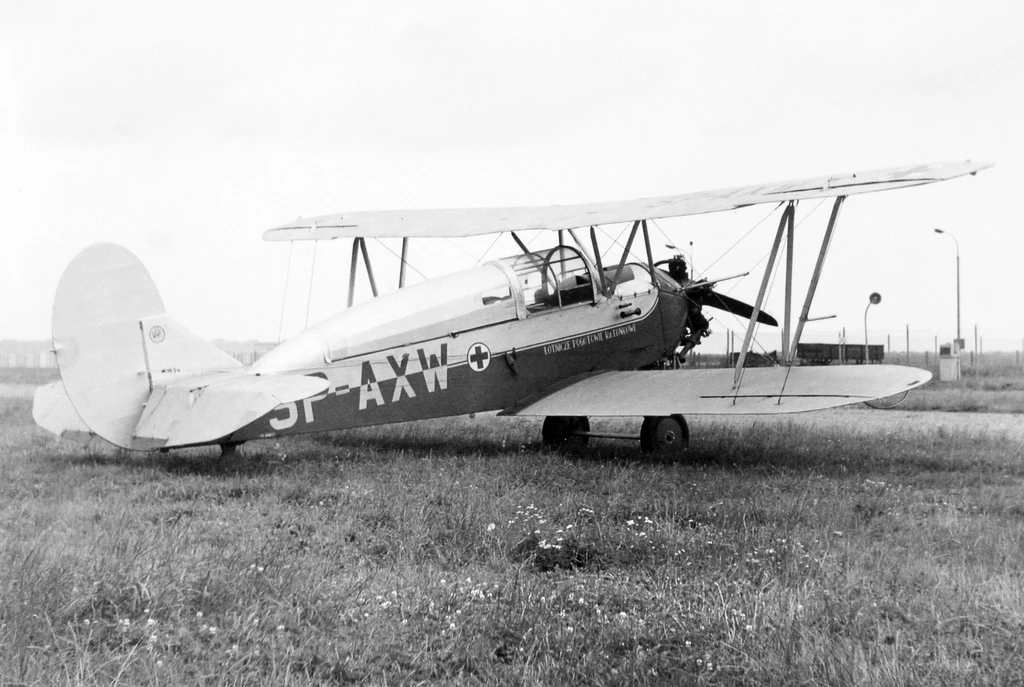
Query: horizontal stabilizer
[
  {"x": 189, "y": 411},
  {"x": 173, "y": 351},
  {"x": 763, "y": 391},
  {"x": 52, "y": 410}
]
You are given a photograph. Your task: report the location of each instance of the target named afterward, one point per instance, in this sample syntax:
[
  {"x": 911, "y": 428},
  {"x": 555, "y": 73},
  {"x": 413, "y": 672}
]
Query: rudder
[{"x": 113, "y": 338}]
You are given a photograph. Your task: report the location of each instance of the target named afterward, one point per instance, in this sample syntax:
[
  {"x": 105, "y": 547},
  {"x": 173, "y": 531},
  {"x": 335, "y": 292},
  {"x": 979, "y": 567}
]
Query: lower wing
[{"x": 762, "y": 391}]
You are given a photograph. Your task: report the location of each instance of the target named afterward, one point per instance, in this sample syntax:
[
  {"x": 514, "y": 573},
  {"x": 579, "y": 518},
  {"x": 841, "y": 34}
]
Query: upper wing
[
  {"x": 764, "y": 391},
  {"x": 475, "y": 221}
]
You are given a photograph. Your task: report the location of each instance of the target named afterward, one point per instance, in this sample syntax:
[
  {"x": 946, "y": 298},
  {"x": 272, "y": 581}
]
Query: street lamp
[
  {"x": 874, "y": 299},
  {"x": 957, "y": 244}
]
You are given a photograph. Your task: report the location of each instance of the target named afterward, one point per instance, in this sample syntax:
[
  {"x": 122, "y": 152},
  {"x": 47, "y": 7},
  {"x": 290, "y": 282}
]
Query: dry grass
[
  {"x": 997, "y": 391},
  {"x": 460, "y": 552}
]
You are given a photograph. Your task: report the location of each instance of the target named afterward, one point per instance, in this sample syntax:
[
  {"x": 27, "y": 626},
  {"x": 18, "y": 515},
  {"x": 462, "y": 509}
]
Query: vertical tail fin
[{"x": 114, "y": 341}]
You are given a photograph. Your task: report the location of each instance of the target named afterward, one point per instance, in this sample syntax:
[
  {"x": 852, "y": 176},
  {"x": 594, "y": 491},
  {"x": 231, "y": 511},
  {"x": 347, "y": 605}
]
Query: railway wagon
[{"x": 827, "y": 353}]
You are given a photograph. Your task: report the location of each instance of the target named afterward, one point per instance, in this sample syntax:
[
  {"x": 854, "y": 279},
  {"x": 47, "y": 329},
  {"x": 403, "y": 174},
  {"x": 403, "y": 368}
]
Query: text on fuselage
[
  {"x": 398, "y": 376},
  {"x": 587, "y": 339}
]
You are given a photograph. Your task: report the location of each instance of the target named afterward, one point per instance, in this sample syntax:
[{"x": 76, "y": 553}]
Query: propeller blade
[{"x": 730, "y": 304}]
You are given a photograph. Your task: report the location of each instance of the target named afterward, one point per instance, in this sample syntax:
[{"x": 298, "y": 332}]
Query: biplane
[{"x": 566, "y": 332}]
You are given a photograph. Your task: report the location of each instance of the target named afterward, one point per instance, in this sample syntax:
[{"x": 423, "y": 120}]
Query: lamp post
[
  {"x": 957, "y": 244},
  {"x": 874, "y": 299}
]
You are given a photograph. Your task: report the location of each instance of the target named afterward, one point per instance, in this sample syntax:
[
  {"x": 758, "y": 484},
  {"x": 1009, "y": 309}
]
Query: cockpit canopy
[
  {"x": 552, "y": 279},
  {"x": 516, "y": 287}
]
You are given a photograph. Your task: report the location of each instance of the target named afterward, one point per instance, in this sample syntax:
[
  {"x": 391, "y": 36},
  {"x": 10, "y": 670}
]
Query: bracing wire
[
  {"x": 481, "y": 258},
  {"x": 388, "y": 249},
  {"x": 740, "y": 239},
  {"x": 616, "y": 242},
  {"x": 667, "y": 237},
  {"x": 312, "y": 271},
  {"x": 284, "y": 297},
  {"x": 459, "y": 247},
  {"x": 771, "y": 283},
  {"x": 736, "y": 283}
]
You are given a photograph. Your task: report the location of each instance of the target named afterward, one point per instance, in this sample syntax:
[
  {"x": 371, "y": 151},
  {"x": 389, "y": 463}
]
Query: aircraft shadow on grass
[{"x": 755, "y": 448}]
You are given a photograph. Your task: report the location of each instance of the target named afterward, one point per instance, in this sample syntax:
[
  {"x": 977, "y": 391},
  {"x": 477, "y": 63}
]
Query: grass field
[{"x": 461, "y": 552}]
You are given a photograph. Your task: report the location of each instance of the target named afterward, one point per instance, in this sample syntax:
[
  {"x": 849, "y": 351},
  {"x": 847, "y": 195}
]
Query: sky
[{"x": 183, "y": 130}]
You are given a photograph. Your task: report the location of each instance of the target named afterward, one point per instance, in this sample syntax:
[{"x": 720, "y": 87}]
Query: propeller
[
  {"x": 701, "y": 292},
  {"x": 730, "y": 304}
]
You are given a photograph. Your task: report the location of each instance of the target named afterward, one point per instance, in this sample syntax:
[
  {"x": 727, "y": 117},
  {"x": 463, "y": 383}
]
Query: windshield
[{"x": 552, "y": 279}]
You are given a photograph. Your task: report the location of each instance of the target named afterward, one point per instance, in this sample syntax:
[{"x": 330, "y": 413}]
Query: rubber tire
[
  {"x": 667, "y": 436},
  {"x": 558, "y": 430}
]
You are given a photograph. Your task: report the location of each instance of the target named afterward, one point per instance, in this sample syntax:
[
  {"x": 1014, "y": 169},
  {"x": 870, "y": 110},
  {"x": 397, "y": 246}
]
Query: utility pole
[
  {"x": 957, "y": 244},
  {"x": 977, "y": 361}
]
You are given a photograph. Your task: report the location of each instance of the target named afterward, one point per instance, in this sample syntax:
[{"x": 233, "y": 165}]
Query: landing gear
[
  {"x": 229, "y": 450},
  {"x": 560, "y": 430},
  {"x": 664, "y": 436}
]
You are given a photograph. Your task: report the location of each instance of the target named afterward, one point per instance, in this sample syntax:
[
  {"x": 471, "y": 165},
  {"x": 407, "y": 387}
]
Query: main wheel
[
  {"x": 664, "y": 435},
  {"x": 560, "y": 430}
]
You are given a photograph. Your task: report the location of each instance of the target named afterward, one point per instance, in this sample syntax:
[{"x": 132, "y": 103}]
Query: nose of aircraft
[{"x": 305, "y": 351}]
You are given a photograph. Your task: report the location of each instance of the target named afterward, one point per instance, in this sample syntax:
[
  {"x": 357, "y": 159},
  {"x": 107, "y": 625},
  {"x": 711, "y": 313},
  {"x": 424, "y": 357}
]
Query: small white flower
[{"x": 491, "y": 527}]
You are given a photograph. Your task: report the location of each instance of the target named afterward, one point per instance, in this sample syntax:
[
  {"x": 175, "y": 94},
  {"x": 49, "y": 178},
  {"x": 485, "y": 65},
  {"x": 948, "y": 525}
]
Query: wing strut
[
  {"x": 597, "y": 260},
  {"x": 520, "y": 243},
  {"x": 405, "y": 262},
  {"x": 582, "y": 246},
  {"x": 359, "y": 246},
  {"x": 650, "y": 257},
  {"x": 784, "y": 222},
  {"x": 352, "y": 271},
  {"x": 787, "y": 317},
  {"x": 625, "y": 255},
  {"x": 369, "y": 267},
  {"x": 818, "y": 266}
]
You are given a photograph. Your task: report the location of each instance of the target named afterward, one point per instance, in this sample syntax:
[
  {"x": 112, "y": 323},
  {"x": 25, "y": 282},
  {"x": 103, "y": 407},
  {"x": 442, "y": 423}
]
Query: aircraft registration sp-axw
[{"x": 564, "y": 332}]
